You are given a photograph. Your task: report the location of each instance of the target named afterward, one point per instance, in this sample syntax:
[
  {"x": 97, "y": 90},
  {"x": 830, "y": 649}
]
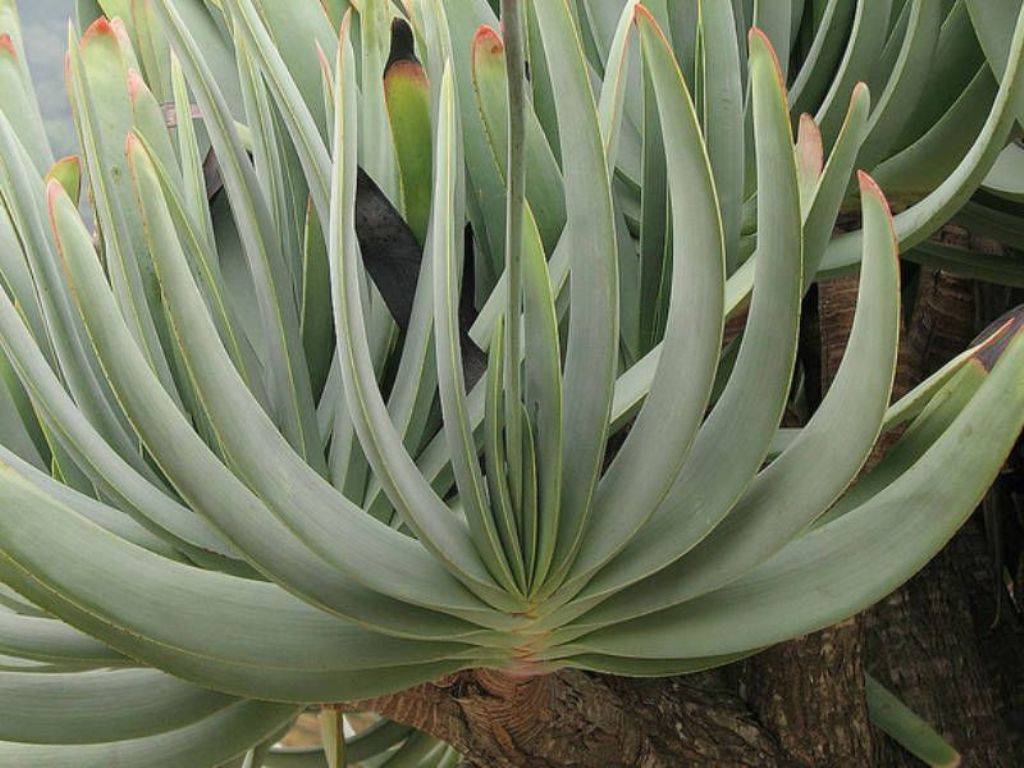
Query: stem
[{"x": 515, "y": 63}]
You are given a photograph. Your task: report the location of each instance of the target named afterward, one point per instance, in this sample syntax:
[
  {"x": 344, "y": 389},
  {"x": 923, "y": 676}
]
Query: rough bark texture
[
  {"x": 810, "y": 694},
  {"x": 577, "y": 719}
]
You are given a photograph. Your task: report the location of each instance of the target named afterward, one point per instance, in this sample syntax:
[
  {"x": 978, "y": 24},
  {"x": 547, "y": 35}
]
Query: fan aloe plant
[{"x": 377, "y": 360}]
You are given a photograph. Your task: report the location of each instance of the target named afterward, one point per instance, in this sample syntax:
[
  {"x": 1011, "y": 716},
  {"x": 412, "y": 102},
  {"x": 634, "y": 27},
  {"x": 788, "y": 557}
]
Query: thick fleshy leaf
[
  {"x": 67, "y": 171},
  {"x": 907, "y": 729},
  {"x": 545, "y": 188},
  {"x": 920, "y": 220},
  {"x": 451, "y": 382},
  {"x": 255, "y": 443},
  {"x": 419, "y": 505},
  {"x": 797, "y": 487},
  {"x": 733, "y": 440},
  {"x": 407, "y": 93},
  {"x": 593, "y": 316},
  {"x": 649, "y": 460},
  {"x": 288, "y": 376}
]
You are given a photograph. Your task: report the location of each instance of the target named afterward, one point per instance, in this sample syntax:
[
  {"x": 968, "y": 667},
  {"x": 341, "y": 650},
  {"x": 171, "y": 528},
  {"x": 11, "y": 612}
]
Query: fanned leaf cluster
[{"x": 389, "y": 348}]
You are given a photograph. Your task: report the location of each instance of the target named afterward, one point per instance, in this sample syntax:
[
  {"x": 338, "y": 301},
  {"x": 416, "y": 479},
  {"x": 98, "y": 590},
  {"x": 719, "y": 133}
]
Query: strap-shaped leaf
[
  {"x": 799, "y": 485},
  {"x": 220, "y": 737},
  {"x": 868, "y": 552},
  {"x": 111, "y": 519},
  {"x": 918, "y": 438},
  {"x": 408, "y": 490},
  {"x": 22, "y": 191},
  {"x": 254, "y": 442},
  {"x": 494, "y": 456},
  {"x": 99, "y": 706},
  {"x": 263, "y": 681},
  {"x": 619, "y": 665},
  {"x": 810, "y": 160},
  {"x": 993, "y": 24},
  {"x": 451, "y": 383},
  {"x": 407, "y": 93},
  {"x": 17, "y": 281},
  {"x": 834, "y": 182},
  {"x": 545, "y": 191},
  {"x": 271, "y": 155},
  {"x": 920, "y": 220},
  {"x": 906, "y": 82},
  {"x": 295, "y": 112},
  {"x": 907, "y": 729},
  {"x": 611, "y": 101},
  {"x": 820, "y": 62},
  {"x": 655, "y": 230},
  {"x": 915, "y": 401},
  {"x": 149, "y": 620},
  {"x": 393, "y": 261},
  {"x": 924, "y": 164},
  {"x": 958, "y": 57},
  {"x": 734, "y": 439},
  {"x": 776, "y": 21},
  {"x": 658, "y": 443},
  {"x": 377, "y": 147},
  {"x": 206, "y": 268},
  {"x": 98, "y": 81},
  {"x": 543, "y": 403},
  {"x": 722, "y": 112},
  {"x": 109, "y": 470},
  {"x": 592, "y": 342},
  {"x": 20, "y": 105},
  {"x": 819, "y": 222},
  {"x": 485, "y": 190},
  {"x": 863, "y": 47},
  {"x": 20, "y": 429},
  {"x": 599, "y": 24},
  {"x": 50, "y": 640},
  {"x": 288, "y": 376}
]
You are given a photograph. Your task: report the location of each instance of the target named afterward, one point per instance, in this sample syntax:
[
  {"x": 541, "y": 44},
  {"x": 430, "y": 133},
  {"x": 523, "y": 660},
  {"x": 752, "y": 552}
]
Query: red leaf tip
[
  {"x": 131, "y": 144},
  {"x": 643, "y": 10},
  {"x": 486, "y": 35},
  {"x": 994, "y": 340},
  {"x": 809, "y": 142},
  {"x": 809, "y": 130},
  {"x": 54, "y": 191},
  {"x": 68, "y": 160},
  {"x": 870, "y": 186},
  {"x": 98, "y": 28},
  {"x": 7, "y": 46},
  {"x": 136, "y": 84},
  {"x": 756, "y": 33},
  {"x": 642, "y": 13}
]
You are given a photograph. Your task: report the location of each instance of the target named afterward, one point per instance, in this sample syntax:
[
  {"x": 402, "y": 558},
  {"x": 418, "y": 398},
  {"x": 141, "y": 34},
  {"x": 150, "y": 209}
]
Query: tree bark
[
  {"x": 810, "y": 693},
  {"x": 573, "y": 718}
]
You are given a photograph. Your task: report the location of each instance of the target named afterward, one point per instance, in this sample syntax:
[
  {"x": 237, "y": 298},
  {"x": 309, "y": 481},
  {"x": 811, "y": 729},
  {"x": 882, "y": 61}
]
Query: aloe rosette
[{"x": 280, "y": 428}]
